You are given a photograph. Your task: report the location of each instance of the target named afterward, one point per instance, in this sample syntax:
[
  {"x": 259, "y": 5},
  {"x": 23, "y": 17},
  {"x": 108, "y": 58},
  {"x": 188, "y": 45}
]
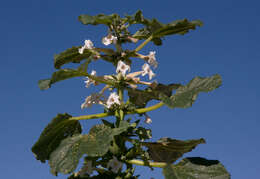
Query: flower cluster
[{"x": 122, "y": 68}]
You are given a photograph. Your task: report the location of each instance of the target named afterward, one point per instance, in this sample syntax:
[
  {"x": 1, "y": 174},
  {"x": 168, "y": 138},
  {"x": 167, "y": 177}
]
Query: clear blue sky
[{"x": 32, "y": 31}]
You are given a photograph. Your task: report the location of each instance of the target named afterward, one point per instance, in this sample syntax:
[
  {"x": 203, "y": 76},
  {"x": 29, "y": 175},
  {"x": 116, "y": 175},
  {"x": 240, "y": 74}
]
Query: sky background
[{"x": 228, "y": 44}]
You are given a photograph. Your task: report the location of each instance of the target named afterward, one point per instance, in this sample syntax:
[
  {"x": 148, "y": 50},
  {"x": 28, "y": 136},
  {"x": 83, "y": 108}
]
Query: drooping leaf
[
  {"x": 186, "y": 95},
  {"x": 141, "y": 97},
  {"x": 60, "y": 75},
  {"x": 64, "y": 74},
  {"x": 66, "y": 157},
  {"x": 196, "y": 168},
  {"x": 59, "y": 128},
  {"x": 98, "y": 19},
  {"x": 169, "y": 150},
  {"x": 71, "y": 55}
]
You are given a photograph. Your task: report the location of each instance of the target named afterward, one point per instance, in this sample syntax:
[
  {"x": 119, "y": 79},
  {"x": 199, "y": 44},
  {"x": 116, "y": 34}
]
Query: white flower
[
  {"x": 90, "y": 100},
  {"x": 147, "y": 70},
  {"x": 148, "y": 120},
  {"x": 113, "y": 99},
  {"x": 87, "y": 168},
  {"x": 88, "y": 45},
  {"x": 109, "y": 39},
  {"x": 114, "y": 164},
  {"x": 90, "y": 81},
  {"x": 122, "y": 67},
  {"x": 152, "y": 60}
]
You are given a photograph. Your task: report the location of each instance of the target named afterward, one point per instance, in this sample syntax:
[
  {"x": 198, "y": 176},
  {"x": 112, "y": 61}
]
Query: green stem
[
  {"x": 92, "y": 116},
  {"x": 152, "y": 164},
  {"x": 144, "y": 43},
  {"x": 100, "y": 115},
  {"x": 99, "y": 79}
]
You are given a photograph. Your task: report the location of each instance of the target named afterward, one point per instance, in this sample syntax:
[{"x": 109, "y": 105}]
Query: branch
[
  {"x": 152, "y": 164},
  {"x": 100, "y": 115}
]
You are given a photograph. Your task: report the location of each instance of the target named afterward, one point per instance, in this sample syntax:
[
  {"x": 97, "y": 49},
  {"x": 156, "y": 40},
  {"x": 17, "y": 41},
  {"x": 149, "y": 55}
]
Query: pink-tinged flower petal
[{"x": 122, "y": 67}]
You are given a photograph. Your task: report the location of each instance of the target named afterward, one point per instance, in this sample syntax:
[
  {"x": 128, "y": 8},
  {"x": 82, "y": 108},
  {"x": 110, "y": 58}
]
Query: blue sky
[{"x": 228, "y": 44}]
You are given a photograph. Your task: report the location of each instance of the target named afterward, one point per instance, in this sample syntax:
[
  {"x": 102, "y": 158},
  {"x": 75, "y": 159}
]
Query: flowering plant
[{"x": 111, "y": 149}]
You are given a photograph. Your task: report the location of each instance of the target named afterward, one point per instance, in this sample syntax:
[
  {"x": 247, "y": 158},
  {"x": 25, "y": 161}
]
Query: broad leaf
[
  {"x": 169, "y": 150},
  {"x": 141, "y": 97},
  {"x": 196, "y": 168},
  {"x": 71, "y": 55},
  {"x": 66, "y": 157},
  {"x": 186, "y": 95},
  {"x": 59, "y": 128}
]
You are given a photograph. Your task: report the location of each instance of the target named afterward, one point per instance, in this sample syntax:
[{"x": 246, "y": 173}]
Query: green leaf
[
  {"x": 66, "y": 157},
  {"x": 177, "y": 27},
  {"x": 98, "y": 19},
  {"x": 196, "y": 168},
  {"x": 141, "y": 97},
  {"x": 169, "y": 150},
  {"x": 186, "y": 95},
  {"x": 59, "y": 128},
  {"x": 60, "y": 75},
  {"x": 71, "y": 55}
]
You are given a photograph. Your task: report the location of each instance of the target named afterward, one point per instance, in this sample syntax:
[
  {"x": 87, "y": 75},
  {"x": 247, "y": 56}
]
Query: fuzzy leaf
[
  {"x": 70, "y": 55},
  {"x": 186, "y": 95},
  {"x": 196, "y": 168},
  {"x": 66, "y": 157},
  {"x": 59, "y": 129},
  {"x": 169, "y": 150}
]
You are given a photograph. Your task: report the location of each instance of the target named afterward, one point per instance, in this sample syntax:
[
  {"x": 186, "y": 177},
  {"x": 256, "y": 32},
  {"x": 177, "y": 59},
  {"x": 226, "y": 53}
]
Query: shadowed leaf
[
  {"x": 59, "y": 129},
  {"x": 196, "y": 168},
  {"x": 70, "y": 55},
  {"x": 169, "y": 150}
]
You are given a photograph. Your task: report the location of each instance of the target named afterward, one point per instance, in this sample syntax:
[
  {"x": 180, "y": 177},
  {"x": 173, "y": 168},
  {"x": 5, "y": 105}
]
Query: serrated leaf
[
  {"x": 186, "y": 95},
  {"x": 66, "y": 157},
  {"x": 60, "y": 75},
  {"x": 59, "y": 128},
  {"x": 196, "y": 168},
  {"x": 169, "y": 150},
  {"x": 70, "y": 55}
]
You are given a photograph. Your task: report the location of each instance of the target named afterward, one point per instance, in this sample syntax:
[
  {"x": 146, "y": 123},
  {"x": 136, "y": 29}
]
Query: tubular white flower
[
  {"x": 122, "y": 67},
  {"x": 114, "y": 164},
  {"x": 109, "y": 39},
  {"x": 89, "y": 81},
  {"x": 148, "y": 120},
  {"x": 152, "y": 60},
  {"x": 112, "y": 99},
  {"x": 90, "y": 100},
  {"x": 88, "y": 45},
  {"x": 147, "y": 70}
]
